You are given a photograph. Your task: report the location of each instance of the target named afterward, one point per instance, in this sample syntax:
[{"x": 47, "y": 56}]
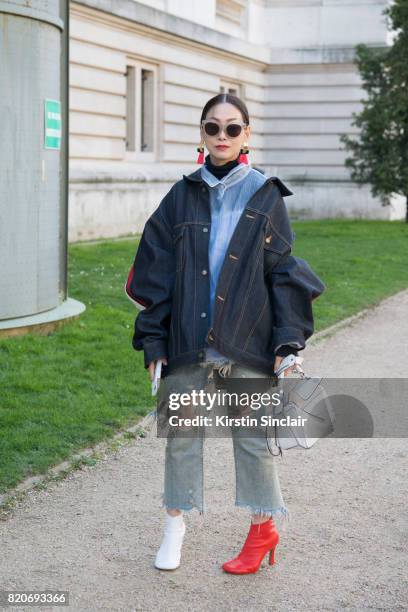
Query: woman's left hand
[{"x": 277, "y": 363}]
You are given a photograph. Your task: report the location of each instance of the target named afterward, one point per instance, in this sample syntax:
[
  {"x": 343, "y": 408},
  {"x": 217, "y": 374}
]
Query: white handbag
[{"x": 304, "y": 400}]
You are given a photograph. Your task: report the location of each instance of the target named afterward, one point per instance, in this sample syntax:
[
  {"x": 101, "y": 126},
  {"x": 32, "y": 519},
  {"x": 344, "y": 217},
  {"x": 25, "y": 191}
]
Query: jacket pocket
[
  {"x": 274, "y": 249},
  {"x": 179, "y": 248}
]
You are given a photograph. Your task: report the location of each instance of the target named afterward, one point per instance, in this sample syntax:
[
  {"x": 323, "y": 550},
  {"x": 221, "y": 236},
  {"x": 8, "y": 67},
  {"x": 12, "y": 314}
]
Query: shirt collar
[{"x": 234, "y": 176}]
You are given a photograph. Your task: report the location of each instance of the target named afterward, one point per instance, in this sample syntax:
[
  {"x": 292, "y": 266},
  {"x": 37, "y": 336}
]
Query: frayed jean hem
[
  {"x": 280, "y": 515},
  {"x": 185, "y": 507}
]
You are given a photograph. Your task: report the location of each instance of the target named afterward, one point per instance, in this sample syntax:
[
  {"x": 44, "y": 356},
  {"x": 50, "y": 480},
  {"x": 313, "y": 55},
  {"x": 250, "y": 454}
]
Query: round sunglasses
[{"x": 232, "y": 130}]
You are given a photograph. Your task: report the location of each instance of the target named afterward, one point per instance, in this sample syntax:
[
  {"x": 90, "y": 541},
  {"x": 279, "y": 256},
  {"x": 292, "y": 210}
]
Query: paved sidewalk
[{"x": 96, "y": 533}]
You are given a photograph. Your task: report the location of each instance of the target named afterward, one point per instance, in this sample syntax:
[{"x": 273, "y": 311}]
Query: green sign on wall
[{"x": 53, "y": 124}]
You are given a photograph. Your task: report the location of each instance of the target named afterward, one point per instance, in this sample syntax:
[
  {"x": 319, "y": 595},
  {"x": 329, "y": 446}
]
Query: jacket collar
[{"x": 195, "y": 177}]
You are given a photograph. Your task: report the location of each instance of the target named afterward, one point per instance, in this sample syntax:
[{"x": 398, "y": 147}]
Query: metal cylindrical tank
[{"x": 33, "y": 202}]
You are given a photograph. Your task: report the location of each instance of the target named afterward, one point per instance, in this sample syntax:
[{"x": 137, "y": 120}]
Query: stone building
[{"x": 142, "y": 71}]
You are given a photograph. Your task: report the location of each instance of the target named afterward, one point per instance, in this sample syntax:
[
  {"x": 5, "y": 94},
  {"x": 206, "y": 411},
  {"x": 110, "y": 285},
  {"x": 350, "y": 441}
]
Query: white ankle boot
[{"x": 169, "y": 553}]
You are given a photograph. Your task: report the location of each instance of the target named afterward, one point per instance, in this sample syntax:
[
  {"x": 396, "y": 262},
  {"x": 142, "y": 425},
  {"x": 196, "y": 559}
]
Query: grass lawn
[{"x": 69, "y": 390}]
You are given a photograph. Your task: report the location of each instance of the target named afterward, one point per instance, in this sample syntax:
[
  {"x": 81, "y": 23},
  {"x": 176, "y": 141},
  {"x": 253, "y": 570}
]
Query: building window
[
  {"x": 141, "y": 110},
  {"x": 146, "y": 113},
  {"x": 130, "y": 108},
  {"x": 231, "y": 88}
]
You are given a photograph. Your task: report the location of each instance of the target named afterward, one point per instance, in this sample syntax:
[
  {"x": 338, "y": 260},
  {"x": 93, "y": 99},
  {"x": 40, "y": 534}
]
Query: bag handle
[{"x": 289, "y": 361}]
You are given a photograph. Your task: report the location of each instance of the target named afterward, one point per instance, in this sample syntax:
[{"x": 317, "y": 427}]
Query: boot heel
[{"x": 272, "y": 555}]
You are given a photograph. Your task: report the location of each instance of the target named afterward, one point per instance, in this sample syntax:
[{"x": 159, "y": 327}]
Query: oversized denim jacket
[{"x": 264, "y": 294}]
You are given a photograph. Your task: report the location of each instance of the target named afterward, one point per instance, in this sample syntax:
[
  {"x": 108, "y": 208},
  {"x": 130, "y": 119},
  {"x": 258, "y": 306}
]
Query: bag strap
[{"x": 289, "y": 361}]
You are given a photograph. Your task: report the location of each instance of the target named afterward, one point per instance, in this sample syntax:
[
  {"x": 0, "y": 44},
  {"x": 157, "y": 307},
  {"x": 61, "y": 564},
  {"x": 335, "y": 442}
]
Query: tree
[{"x": 380, "y": 150}]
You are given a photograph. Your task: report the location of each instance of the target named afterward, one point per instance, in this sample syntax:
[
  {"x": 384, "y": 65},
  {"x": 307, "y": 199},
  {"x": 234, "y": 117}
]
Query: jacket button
[
  {"x": 203, "y": 189},
  {"x": 205, "y": 229},
  {"x": 204, "y": 272},
  {"x": 201, "y": 354},
  {"x": 203, "y": 315},
  {"x": 268, "y": 238}
]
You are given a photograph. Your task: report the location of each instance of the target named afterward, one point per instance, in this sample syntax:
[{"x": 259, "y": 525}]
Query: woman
[{"x": 221, "y": 237}]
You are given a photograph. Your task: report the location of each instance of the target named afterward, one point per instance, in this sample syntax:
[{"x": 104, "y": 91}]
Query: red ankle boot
[{"x": 260, "y": 539}]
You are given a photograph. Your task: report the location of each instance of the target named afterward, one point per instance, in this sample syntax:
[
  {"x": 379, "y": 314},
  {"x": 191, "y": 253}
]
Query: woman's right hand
[
  {"x": 152, "y": 366},
  {"x": 278, "y": 361}
]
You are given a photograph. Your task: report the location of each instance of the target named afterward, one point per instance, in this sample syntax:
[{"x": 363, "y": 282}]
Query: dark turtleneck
[{"x": 220, "y": 171}]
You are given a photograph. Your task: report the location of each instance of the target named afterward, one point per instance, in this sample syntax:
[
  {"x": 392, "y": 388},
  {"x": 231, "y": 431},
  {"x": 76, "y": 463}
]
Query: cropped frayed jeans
[{"x": 257, "y": 482}]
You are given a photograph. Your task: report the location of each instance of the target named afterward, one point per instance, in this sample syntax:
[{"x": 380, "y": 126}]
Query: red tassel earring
[
  {"x": 243, "y": 158},
  {"x": 200, "y": 149}
]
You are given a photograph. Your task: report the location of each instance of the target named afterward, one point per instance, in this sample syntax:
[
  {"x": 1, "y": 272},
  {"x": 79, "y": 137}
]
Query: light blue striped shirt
[{"x": 228, "y": 198}]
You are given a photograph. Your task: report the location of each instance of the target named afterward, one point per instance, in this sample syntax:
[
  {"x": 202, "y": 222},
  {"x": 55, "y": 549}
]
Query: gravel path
[{"x": 96, "y": 533}]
